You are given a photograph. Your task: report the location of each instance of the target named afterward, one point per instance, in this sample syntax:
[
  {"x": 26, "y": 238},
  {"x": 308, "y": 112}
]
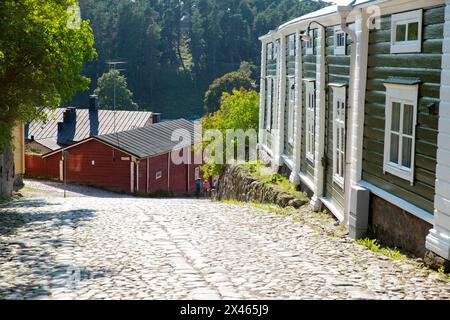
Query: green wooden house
[{"x": 355, "y": 107}]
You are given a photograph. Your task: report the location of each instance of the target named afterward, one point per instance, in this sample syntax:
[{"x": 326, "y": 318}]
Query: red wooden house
[{"x": 136, "y": 161}]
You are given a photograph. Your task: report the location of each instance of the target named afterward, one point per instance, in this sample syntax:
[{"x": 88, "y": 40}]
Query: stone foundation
[
  {"x": 264, "y": 157},
  {"x": 434, "y": 261},
  {"x": 285, "y": 171},
  {"x": 397, "y": 228},
  {"x": 237, "y": 183}
]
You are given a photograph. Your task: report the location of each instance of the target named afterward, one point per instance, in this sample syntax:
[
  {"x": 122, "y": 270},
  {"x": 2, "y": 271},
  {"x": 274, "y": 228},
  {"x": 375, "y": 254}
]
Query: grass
[
  {"x": 280, "y": 183},
  {"x": 374, "y": 246},
  {"x": 263, "y": 206}
]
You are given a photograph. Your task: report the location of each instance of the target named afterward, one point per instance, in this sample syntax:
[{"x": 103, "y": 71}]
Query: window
[
  {"x": 276, "y": 49},
  {"x": 400, "y": 131},
  {"x": 197, "y": 173},
  {"x": 269, "y": 103},
  {"x": 270, "y": 54},
  {"x": 158, "y": 175},
  {"x": 291, "y": 45},
  {"x": 339, "y": 103},
  {"x": 291, "y": 110},
  {"x": 310, "y": 120},
  {"x": 406, "y": 32},
  {"x": 339, "y": 41},
  {"x": 310, "y": 44}
]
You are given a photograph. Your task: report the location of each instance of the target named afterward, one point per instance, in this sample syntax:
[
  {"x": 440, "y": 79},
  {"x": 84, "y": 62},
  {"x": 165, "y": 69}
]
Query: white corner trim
[
  {"x": 334, "y": 210},
  {"x": 319, "y": 140},
  {"x": 399, "y": 202},
  {"x": 438, "y": 240}
]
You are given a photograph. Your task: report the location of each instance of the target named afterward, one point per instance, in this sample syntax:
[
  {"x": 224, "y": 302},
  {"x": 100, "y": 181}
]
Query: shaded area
[
  {"x": 32, "y": 258},
  {"x": 47, "y": 186}
]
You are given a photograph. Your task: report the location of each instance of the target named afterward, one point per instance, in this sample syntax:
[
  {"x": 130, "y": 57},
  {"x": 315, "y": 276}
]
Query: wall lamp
[{"x": 306, "y": 35}]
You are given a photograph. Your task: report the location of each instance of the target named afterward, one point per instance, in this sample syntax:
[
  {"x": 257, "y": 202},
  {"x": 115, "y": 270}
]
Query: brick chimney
[
  {"x": 66, "y": 129},
  {"x": 93, "y": 115}
]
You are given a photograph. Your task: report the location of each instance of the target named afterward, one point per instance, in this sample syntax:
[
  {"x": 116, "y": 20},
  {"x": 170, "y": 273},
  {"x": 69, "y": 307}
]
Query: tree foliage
[
  {"x": 227, "y": 83},
  {"x": 123, "y": 95},
  {"x": 238, "y": 110},
  {"x": 41, "y": 59},
  {"x": 169, "y": 64}
]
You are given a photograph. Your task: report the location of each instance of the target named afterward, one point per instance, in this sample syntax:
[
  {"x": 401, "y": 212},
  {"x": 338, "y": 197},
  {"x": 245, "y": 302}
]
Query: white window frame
[
  {"x": 269, "y": 102},
  {"x": 291, "y": 109},
  {"x": 310, "y": 120},
  {"x": 158, "y": 175},
  {"x": 403, "y": 94},
  {"x": 339, "y": 104},
  {"x": 309, "y": 45},
  {"x": 405, "y": 19},
  {"x": 339, "y": 50}
]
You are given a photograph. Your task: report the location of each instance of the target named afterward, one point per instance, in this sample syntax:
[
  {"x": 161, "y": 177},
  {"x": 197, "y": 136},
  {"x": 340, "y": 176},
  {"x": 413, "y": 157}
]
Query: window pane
[
  {"x": 408, "y": 119},
  {"x": 413, "y": 31},
  {"x": 338, "y": 139},
  {"x": 395, "y": 126},
  {"x": 400, "y": 32},
  {"x": 338, "y": 110},
  {"x": 394, "y": 148},
  {"x": 406, "y": 153}
]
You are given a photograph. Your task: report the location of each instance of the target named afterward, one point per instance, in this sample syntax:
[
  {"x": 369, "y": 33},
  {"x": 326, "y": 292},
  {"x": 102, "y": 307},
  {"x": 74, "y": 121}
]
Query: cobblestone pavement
[{"x": 99, "y": 245}]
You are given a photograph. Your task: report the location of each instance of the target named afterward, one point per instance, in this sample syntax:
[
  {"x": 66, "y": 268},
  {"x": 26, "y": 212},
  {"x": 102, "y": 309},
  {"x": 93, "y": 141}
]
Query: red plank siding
[{"x": 97, "y": 164}]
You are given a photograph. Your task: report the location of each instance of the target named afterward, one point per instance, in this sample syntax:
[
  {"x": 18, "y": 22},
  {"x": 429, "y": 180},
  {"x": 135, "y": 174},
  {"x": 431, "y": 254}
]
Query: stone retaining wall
[{"x": 236, "y": 183}]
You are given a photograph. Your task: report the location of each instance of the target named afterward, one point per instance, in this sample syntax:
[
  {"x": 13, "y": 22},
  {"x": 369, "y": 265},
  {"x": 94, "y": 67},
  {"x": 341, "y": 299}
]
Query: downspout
[{"x": 344, "y": 11}]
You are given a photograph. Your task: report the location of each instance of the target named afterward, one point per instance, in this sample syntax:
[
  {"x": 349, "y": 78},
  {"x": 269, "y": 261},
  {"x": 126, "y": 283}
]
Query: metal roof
[
  {"x": 153, "y": 140},
  {"x": 46, "y": 133},
  {"x": 326, "y": 11}
]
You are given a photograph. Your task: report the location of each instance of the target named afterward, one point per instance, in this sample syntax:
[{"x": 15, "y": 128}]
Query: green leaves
[
  {"x": 41, "y": 59},
  {"x": 105, "y": 92}
]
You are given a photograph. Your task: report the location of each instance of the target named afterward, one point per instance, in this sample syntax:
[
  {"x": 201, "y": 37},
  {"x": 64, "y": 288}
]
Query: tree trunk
[{"x": 6, "y": 173}]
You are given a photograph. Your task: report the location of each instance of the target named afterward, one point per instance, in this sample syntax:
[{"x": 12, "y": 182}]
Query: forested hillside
[{"x": 174, "y": 49}]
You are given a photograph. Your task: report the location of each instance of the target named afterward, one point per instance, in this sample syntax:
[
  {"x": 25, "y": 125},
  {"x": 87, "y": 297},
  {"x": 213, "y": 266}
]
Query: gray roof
[
  {"x": 46, "y": 133},
  {"x": 153, "y": 140}
]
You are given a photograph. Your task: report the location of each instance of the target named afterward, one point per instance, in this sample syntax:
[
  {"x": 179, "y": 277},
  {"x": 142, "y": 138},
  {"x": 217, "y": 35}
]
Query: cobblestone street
[{"x": 100, "y": 245}]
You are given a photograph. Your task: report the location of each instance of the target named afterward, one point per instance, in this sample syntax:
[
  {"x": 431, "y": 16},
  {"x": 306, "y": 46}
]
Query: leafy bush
[
  {"x": 238, "y": 110},
  {"x": 240, "y": 79}
]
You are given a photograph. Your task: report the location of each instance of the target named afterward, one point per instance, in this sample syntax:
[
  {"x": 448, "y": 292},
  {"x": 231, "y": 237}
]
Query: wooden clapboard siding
[
  {"x": 290, "y": 72},
  {"x": 426, "y": 66},
  {"x": 338, "y": 71},
  {"x": 309, "y": 71}
]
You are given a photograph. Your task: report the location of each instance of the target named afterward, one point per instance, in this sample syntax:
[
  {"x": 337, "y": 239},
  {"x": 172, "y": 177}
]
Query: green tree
[
  {"x": 41, "y": 58},
  {"x": 111, "y": 84},
  {"x": 238, "y": 110},
  {"x": 227, "y": 83}
]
